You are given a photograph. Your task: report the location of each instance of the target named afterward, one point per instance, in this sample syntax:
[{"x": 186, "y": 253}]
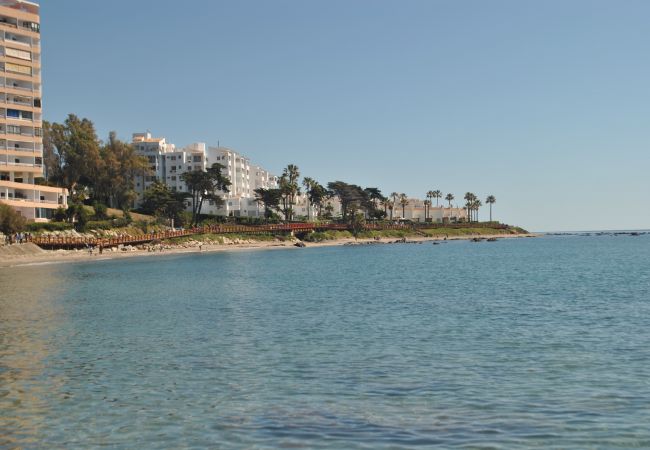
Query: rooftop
[{"x": 21, "y": 5}]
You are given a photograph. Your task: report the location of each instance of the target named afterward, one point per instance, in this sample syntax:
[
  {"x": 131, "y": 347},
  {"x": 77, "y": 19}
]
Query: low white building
[{"x": 415, "y": 211}]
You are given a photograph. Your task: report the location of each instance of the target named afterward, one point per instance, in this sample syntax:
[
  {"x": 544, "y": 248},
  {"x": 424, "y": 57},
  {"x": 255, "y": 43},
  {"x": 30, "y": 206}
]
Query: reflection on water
[
  {"x": 512, "y": 344},
  {"x": 28, "y": 321}
]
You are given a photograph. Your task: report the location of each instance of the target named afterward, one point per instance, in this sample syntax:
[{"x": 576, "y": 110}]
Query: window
[
  {"x": 37, "y": 102},
  {"x": 20, "y": 54},
  {"x": 31, "y": 26},
  {"x": 173, "y": 177},
  {"x": 197, "y": 158},
  {"x": 13, "y": 129},
  {"x": 18, "y": 68},
  {"x": 18, "y": 114},
  {"x": 38, "y": 131}
]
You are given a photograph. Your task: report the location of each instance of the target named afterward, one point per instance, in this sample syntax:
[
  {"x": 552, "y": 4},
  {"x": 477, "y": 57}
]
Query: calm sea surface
[{"x": 514, "y": 344}]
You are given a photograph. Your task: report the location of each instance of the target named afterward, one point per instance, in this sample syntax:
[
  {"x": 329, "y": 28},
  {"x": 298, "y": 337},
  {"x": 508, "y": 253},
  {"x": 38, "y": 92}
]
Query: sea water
[{"x": 518, "y": 343}]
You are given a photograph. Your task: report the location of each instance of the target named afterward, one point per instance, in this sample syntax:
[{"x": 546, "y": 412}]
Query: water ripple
[{"x": 516, "y": 344}]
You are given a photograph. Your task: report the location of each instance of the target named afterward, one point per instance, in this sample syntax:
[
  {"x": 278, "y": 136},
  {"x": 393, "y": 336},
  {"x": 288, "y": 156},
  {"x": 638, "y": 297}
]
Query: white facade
[
  {"x": 167, "y": 164},
  {"x": 415, "y": 211}
]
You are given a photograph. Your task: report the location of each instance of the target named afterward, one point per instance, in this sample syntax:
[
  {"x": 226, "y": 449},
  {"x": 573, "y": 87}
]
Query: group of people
[
  {"x": 91, "y": 248},
  {"x": 17, "y": 238}
]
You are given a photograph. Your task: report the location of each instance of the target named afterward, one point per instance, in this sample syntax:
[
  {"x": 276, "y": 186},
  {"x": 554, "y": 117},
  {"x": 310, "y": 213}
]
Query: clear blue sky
[{"x": 545, "y": 105}]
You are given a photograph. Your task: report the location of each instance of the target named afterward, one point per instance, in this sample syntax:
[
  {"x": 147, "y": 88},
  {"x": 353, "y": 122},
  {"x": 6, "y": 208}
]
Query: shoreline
[{"x": 46, "y": 257}]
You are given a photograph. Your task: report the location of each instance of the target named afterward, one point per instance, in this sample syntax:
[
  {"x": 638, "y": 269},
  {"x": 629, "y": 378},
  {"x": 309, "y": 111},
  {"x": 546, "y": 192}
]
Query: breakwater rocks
[
  {"x": 377, "y": 242},
  {"x": 602, "y": 233},
  {"x": 479, "y": 239}
]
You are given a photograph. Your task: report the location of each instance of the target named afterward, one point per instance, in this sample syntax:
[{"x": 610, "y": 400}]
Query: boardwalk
[{"x": 54, "y": 242}]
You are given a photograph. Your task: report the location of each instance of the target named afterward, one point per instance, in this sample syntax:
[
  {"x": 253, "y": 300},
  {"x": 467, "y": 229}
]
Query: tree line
[{"x": 104, "y": 173}]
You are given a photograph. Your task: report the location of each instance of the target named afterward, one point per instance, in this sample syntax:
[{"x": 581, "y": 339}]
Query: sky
[{"x": 545, "y": 105}]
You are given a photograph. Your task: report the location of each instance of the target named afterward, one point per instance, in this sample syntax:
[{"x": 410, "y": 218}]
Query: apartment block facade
[
  {"x": 167, "y": 164},
  {"x": 21, "y": 133}
]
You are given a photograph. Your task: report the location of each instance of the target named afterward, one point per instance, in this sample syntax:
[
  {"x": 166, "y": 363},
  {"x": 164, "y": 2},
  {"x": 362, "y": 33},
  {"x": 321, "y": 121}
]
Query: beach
[{"x": 29, "y": 254}]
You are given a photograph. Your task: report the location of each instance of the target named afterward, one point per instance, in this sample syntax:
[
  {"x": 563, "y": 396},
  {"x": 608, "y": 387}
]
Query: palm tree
[
  {"x": 437, "y": 194},
  {"x": 476, "y": 204},
  {"x": 469, "y": 199},
  {"x": 449, "y": 198},
  {"x": 288, "y": 184},
  {"x": 490, "y": 200},
  {"x": 430, "y": 195},
  {"x": 385, "y": 202},
  {"x": 394, "y": 196},
  {"x": 403, "y": 200},
  {"x": 427, "y": 203},
  {"x": 309, "y": 184}
]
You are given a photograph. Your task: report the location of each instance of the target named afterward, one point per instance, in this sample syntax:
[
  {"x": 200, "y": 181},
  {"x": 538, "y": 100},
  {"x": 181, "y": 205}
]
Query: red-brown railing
[{"x": 52, "y": 242}]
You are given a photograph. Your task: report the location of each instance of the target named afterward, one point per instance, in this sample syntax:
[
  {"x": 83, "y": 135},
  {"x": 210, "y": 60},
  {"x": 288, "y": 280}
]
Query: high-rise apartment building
[{"x": 21, "y": 133}]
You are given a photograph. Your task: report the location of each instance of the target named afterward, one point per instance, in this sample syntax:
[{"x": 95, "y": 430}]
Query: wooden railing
[{"x": 52, "y": 242}]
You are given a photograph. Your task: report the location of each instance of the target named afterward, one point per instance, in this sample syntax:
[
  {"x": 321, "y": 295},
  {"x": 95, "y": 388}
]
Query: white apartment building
[
  {"x": 244, "y": 178},
  {"x": 167, "y": 164}
]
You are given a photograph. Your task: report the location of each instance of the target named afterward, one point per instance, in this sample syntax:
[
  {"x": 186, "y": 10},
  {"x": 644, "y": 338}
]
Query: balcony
[
  {"x": 24, "y": 199},
  {"x": 18, "y": 164},
  {"x": 8, "y": 22},
  {"x": 16, "y": 39}
]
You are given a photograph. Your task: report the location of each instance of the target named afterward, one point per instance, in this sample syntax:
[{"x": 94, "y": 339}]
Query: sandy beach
[{"x": 29, "y": 254}]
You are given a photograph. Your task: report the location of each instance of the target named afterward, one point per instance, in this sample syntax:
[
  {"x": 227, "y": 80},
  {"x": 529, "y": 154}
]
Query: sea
[{"x": 521, "y": 343}]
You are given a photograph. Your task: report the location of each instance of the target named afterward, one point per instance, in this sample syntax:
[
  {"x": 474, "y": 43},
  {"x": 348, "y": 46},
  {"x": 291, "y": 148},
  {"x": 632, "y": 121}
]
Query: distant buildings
[
  {"x": 21, "y": 133},
  {"x": 415, "y": 211},
  {"x": 167, "y": 164}
]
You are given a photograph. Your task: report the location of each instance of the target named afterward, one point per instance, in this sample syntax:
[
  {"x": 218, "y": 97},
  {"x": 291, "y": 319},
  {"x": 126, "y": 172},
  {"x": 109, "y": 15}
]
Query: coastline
[{"x": 71, "y": 256}]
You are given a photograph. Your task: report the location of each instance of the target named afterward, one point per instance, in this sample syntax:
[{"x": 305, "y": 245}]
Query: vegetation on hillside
[{"x": 102, "y": 173}]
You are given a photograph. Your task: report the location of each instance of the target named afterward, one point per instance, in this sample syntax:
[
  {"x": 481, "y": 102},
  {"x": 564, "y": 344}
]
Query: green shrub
[
  {"x": 100, "y": 211},
  {"x": 320, "y": 236},
  {"x": 35, "y": 227},
  {"x": 107, "y": 224},
  {"x": 10, "y": 221},
  {"x": 59, "y": 214}
]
